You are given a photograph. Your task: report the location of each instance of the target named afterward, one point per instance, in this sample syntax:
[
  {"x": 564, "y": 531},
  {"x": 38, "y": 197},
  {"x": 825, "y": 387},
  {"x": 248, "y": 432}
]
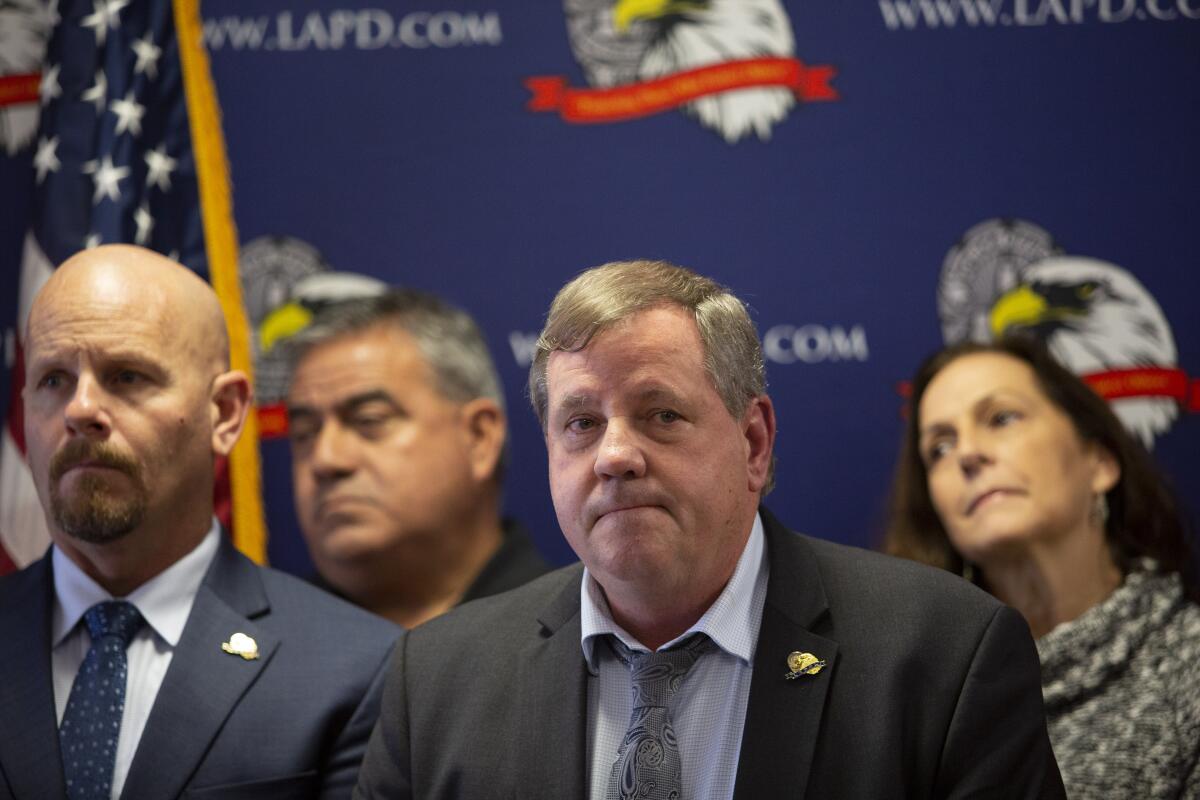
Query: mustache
[{"x": 82, "y": 451}]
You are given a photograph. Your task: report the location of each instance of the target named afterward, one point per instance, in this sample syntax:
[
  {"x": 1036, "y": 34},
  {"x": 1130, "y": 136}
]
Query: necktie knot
[
  {"x": 656, "y": 676},
  {"x": 117, "y": 618}
]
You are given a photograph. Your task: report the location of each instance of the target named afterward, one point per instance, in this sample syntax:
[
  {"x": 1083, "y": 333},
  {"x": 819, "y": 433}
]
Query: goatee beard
[{"x": 92, "y": 513}]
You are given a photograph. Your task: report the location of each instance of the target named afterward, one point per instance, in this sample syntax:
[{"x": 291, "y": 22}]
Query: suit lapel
[
  {"x": 204, "y": 683},
  {"x": 783, "y": 717},
  {"x": 552, "y": 689},
  {"x": 29, "y": 750}
]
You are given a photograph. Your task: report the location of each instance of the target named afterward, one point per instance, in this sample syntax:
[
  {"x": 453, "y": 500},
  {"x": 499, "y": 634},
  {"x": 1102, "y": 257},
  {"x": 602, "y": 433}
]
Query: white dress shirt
[
  {"x": 709, "y": 709},
  {"x": 165, "y": 601}
]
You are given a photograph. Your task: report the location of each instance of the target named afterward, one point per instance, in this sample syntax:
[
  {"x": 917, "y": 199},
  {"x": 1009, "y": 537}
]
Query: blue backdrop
[{"x": 878, "y": 154}]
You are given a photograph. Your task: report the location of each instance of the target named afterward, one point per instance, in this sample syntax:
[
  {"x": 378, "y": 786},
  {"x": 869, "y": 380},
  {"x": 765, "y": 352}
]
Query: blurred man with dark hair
[{"x": 398, "y": 436}]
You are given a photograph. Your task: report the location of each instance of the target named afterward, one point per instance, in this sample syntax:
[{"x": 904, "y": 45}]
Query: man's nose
[
  {"x": 332, "y": 452},
  {"x": 620, "y": 455},
  {"x": 86, "y": 413}
]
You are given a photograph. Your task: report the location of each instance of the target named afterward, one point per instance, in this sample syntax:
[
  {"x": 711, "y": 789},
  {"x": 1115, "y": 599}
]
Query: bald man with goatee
[{"x": 143, "y": 656}]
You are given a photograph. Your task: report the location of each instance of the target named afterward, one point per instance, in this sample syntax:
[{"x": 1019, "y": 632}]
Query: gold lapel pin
[
  {"x": 241, "y": 645},
  {"x": 802, "y": 664}
]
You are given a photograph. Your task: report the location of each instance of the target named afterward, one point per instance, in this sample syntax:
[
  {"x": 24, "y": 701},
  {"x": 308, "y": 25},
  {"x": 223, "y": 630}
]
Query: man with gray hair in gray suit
[{"x": 702, "y": 649}]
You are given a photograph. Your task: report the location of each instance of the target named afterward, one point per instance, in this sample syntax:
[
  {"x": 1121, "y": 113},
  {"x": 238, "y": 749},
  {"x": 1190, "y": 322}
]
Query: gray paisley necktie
[{"x": 648, "y": 765}]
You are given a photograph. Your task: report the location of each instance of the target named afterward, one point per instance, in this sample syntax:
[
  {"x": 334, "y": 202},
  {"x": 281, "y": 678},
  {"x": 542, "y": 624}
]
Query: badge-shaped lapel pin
[
  {"x": 802, "y": 664},
  {"x": 241, "y": 645}
]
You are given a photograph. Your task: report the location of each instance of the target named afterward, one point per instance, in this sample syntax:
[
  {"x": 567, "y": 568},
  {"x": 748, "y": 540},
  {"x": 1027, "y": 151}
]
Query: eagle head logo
[
  {"x": 285, "y": 281},
  {"x": 25, "y": 27},
  {"x": 619, "y": 42},
  {"x": 1095, "y": 317}
]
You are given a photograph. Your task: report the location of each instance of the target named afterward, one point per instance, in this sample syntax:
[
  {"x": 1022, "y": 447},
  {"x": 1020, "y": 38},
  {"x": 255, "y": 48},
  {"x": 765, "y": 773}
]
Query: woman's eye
[
  {"x": 1002, "y": 418},
  {"x": 935, "y": 451}
]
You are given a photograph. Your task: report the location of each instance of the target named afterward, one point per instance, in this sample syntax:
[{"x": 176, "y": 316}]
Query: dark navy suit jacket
[{"x": 292, "y": 723}]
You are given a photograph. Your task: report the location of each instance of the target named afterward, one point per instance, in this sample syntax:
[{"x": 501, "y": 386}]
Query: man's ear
[
  {"x": 486, "y": 428},
  {"x": 758, "y": 428},
  {"x": 229, "y": 405}
]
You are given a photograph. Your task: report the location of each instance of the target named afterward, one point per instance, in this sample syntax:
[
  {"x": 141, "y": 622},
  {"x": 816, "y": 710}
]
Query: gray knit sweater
[{"x": 1122, "y": 691}]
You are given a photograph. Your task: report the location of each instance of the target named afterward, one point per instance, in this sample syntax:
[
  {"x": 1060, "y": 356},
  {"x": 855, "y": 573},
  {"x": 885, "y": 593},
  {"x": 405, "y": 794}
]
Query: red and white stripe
[{"x": 23, "y": 534}]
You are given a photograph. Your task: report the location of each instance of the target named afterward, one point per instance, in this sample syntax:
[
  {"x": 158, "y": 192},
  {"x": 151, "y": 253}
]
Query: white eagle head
[
  {"x": 622, "y": 41},
  {"x": 25, "y": 27},
  {"x": 1094, "y": 317}
]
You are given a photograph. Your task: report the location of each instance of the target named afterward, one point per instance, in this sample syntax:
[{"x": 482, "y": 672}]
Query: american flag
[{"x": 113, "y": 161}]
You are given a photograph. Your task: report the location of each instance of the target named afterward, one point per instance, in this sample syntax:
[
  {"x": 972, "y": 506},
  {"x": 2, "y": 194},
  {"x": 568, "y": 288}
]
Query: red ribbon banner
[
  {"x": 17, "y": 89},
  {"x": 1148, "y": 382},
  {"x": 1120, "y": 383},
  {"x": 551, "y": 93},
  {"x": 272, "y": 421}
]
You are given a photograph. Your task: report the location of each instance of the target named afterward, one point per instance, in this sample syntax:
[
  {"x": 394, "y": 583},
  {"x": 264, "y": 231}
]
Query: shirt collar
[
  {"x": 732, "y": 621},
  {"x": 164, "y": 601}
]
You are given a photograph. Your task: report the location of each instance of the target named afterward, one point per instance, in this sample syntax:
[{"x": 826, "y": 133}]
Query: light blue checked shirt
[{"x": 709, "y": 710}]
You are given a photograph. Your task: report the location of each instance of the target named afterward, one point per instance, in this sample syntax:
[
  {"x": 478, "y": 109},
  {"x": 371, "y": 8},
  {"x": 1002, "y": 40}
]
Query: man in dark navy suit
[{"x": 143, "y": 656}]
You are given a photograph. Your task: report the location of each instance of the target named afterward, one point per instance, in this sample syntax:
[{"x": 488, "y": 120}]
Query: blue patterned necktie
[
  {"x": 648, "y": 765},
  {"x": 92, "y": 720}
]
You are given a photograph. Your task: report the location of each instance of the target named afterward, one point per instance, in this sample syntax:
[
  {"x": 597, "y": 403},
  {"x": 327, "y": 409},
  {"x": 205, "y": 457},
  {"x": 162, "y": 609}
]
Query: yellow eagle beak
[
  {"x": 287, "y": 320},
  {"x": 1021, "y": 306},
  {"x": 626, "y": 12}
]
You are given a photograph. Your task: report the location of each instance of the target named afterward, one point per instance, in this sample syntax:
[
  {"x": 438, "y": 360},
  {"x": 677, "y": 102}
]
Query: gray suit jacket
[
  {"x": 293, "y": 723},
  {"x": 931, "y": 690}
]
